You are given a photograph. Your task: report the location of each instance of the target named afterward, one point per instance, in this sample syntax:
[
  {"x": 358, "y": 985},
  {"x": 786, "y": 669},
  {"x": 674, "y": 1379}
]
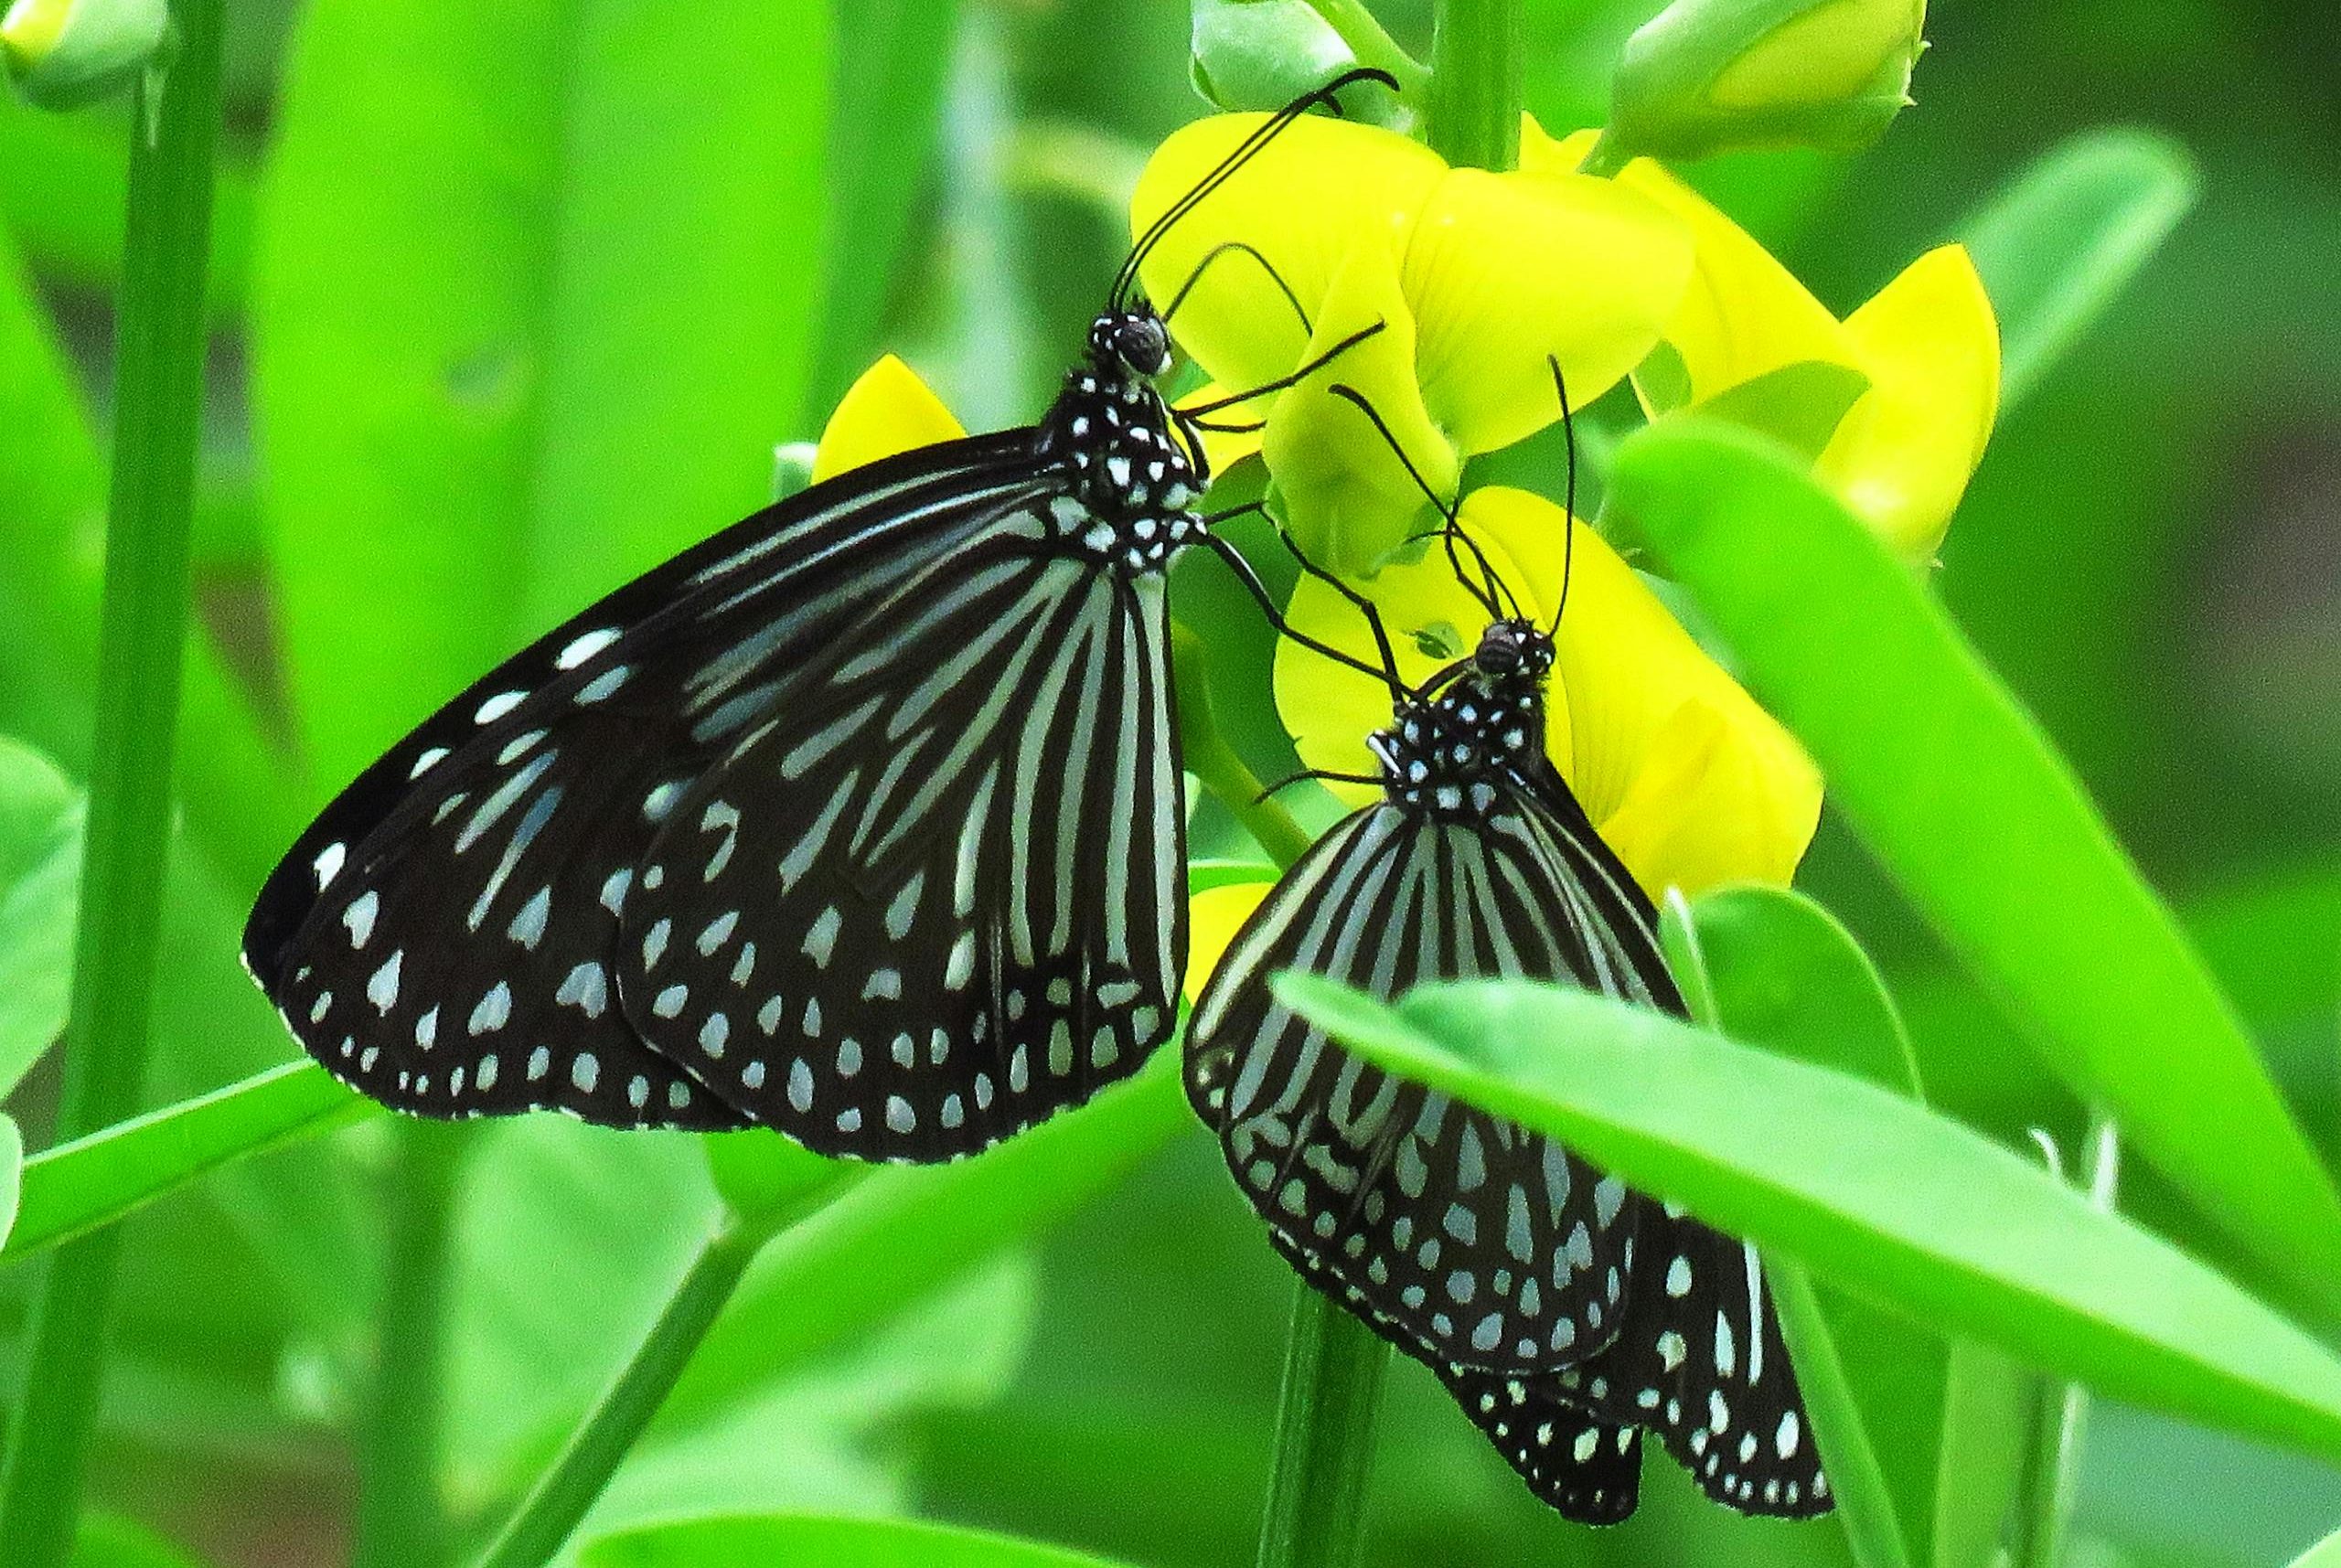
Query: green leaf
[
  {"x": 1770, "y": 967},
  {"x": 1869, "y": 1190},
  {"x": 11, "y": 1175},
  {"x": 535, "y": 301},
  {"x": 1986, "y": 1403},
  {"x": 2326, "y": 1554},
  {"x": 109, "y": 1541},
  {"x": 1993, "y": 839},
  {"x": 40, "y": 867},
  {"x": 886, "y": 126},
  {"x": 1799, "y": 405},
  {"x": 903, "y": 1231},
  {"x": 2059, "y": 243},
  {"x": 75, "y": 1187},
  {"x": 823, "y": 1543}
]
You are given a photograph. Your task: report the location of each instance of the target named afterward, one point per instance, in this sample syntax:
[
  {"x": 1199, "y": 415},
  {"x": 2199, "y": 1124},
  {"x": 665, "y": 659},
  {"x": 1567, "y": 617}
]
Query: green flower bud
[
  {"x": 1713, "y": 76},
  {"x": 66, "y": 53},
  {"x": 1263, "y": 54}
]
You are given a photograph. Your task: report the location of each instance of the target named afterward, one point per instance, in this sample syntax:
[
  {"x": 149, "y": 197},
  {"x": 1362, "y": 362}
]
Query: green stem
[
  {"x": 566, "y": 1492},
  {"x": 1370, "y": 45},
  {"x": 2061, "y": 1410},
  {"x": 1205, "y": 753},
  {"x": 1333, "y": 1366},
  {"x": 1475, "y": 61},
  {"x": 142, "y": 625},
  {"x": 402, "y": 1517}
]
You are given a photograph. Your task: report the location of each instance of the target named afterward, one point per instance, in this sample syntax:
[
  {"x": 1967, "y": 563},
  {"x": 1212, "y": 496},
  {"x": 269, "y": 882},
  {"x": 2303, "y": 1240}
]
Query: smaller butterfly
[{"x": 1566, "y": 1313}]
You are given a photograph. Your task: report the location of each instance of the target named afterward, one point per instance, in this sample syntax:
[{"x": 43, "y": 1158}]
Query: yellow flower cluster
[{"x": 1459, "y": 295}]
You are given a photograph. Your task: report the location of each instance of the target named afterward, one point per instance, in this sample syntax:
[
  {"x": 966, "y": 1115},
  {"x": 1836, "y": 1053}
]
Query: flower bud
[
  {"x": 66, "y": 53},
  {"x": 1713, "y": 76},
  {"x": 1263, "y": 54}
]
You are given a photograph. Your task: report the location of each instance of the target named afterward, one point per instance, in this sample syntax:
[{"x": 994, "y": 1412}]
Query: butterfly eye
[{"x": 1140, "y": 342}]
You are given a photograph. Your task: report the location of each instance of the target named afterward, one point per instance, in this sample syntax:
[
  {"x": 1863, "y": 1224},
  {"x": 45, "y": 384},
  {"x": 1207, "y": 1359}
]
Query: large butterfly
[
  {"x": 860, "y": 820},
  {"x": 1565, "y": 1311}
]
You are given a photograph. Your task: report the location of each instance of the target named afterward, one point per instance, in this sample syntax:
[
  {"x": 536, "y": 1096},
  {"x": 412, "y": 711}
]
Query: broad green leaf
[
  {"x": 1869, "y": 1190},
  {"x": 885, "y": 127},
  {"x": 2058, "y": 245},
  {"x": 903, "y": 1231},
  {"x": 534, "y": 301},
  {"x": 40, "y": 867},
  {"x": 77, "y": 1187},
  {"x": 50, "y": 559},
  {"x": 1986, "y": 828},
  {"x": 1986, "y": 1403},
  {"x": 1773, "y": 968},
  {"x": 63, "y": 178},
  {"x": 1799, "y": 405},
  {"x": 109, "y": 1541},
  {"x": 2326, "y": 1554},
  {"x": 12, "y": 1173},
  {"x": 823, "y": 1543}
]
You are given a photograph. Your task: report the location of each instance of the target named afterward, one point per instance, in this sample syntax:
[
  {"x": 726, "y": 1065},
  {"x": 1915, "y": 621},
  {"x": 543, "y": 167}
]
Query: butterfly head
[
  {"x": 1130, "y": 342},
  {"x": 1452, "y": 742},
  {"x": 1512, "y": 651}
]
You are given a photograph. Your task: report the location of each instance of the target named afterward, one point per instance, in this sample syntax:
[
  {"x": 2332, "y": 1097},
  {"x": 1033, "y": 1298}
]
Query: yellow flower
[
  {"x": 1471, "y": 285},
  {"x": 1927, "y": 347},
  {"x": 1681, "y": 774},
  {"x": 887, "y": 409}
]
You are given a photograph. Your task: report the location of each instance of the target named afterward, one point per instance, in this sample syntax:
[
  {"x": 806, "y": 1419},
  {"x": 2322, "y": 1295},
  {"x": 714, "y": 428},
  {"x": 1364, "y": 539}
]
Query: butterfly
[
  {"x": 1565, "y": 1312},
  {"x": 860, "y": 819}
]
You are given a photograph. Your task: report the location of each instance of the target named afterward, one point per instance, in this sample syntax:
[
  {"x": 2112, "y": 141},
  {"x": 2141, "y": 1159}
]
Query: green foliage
[{"x": 525, "y": 296}]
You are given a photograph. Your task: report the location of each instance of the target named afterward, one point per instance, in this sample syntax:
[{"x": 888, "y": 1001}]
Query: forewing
[
  {"x": 441, "y": 938},
  {"x": 945, "y": 903},
  {"x": 1465, "y": 1238},
  {"x": 1699, "y": 1359}
]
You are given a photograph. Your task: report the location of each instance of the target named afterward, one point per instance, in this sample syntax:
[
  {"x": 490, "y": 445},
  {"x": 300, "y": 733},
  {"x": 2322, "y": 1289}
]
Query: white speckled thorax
[
  {"x": 1133, "y": 481},
  {"x": 1444, "y": 753}
]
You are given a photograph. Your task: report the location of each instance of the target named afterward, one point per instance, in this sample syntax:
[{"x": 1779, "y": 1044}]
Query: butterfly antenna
[
  {"x": 1328, "y": 95},
  {"x": 1568, "y": 490},
  {"x": 1238, "y": 248},
  {"x": 1490, "y": 591},
  {"x": 1234, "y": 560},
  {"x": 1366, "y": 607}
]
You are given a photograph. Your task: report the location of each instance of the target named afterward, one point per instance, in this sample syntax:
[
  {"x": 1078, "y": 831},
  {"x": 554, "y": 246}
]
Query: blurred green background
[{"x": 443, "y": 414}]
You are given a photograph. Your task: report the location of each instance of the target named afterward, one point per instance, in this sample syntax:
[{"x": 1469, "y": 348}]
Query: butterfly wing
[
  {"x": 1699, "y": 1359},
  {"x": 442, "y": 936},
  {"x": 1585, "y": 1467},
  {"x": 945, "y": 901},
  {"x": 1467, "y": 1238}
]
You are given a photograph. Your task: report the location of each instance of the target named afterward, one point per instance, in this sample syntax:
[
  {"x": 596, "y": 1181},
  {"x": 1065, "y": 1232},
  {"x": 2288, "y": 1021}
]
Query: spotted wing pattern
[
  {"x": 946, "y": 899},
  {"x": 1576, "y": 1462},
  {"x": 1465, "y": 1238},
  {"x": 442, "y": 936}
]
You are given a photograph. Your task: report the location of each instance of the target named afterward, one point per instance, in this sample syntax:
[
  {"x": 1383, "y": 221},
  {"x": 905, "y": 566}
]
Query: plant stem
[
  {"x": 401, "y": 1519},
  {"x": 1333, "y": 1393},
  {"x": 1205, "y": 753},
  {"x": 142, "y": 624},
  {"x": 562, "y": 1497},
  {"x": 2061, "y": 1410},
  {"x": 1475, "y": 62},
  {"x": 1370, "y": 45}
]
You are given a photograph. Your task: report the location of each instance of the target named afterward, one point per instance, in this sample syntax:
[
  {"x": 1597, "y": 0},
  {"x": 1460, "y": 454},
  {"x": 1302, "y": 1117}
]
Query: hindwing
[
  {"x": 944, "y": 900},
  {"x": 1467, "y": 1237}
]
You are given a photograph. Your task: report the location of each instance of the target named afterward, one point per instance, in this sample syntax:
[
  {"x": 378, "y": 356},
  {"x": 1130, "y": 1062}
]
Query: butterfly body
[
  {"x": 1540, "y": 1290},
  {"x": 860, "y": 819}
]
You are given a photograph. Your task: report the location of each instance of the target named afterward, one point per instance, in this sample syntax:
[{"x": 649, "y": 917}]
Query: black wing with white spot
[
  {"x": 947, "y": 899},
  {"x": 1467, "y": 1238},
  {"x": 1699, "y": 1359},
  {"x": 1584, "y": 1467},
  {"x": 442, "y": 938}
]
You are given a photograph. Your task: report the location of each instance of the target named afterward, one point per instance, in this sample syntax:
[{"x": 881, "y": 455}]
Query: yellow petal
[
  {"x": 1213, "y": 917},
  {"x": 888, "y": 410},
  {"x": 1349, "y": 499},
  {"x": 1624, "y": 671},
  {"x": 1743, "y": 315},
  {"x": 1507, "y": 272},
  {"x": 1930, "y": 346},
  {"x": 1432, "y": 620},
  {"x": 1322, "y": 188},
  {"x": 1223, "y": 449}
]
